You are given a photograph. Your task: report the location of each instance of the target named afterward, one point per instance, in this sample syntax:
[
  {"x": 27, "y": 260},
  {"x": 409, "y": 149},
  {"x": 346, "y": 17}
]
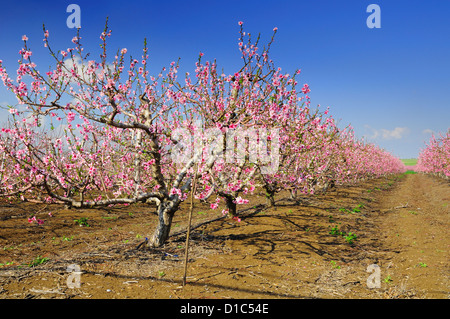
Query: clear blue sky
[{"x": 392, "y": 84}]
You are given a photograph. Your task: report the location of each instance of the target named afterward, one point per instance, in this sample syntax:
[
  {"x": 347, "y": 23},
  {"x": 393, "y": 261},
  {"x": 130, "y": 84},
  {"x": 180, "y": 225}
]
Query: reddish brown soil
[{"x": 401, "y": 224}]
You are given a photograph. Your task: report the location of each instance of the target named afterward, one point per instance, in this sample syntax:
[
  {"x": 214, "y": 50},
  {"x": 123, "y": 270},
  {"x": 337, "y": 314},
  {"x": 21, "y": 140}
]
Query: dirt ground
[{"x": 303, "y": 249}]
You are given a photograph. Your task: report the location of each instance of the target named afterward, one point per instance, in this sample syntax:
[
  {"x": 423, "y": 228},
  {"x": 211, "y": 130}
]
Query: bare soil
[{"x": 300, "y": 249}]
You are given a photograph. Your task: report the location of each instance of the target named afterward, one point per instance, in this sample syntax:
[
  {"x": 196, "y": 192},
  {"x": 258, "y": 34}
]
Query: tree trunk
[
  {"x": 230, "y": 202},
  {"x": 293, "y": 193},
  {"x": 166, "y": 211},
  {"x": 270, "y": 195},
  {"x": 270, "y": 199},
  {"x": 231, "y": 205}
]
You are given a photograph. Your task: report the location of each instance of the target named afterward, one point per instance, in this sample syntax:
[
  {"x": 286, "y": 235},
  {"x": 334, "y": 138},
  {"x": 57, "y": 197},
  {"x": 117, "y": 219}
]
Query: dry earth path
[{"x": 414, "y": 223}]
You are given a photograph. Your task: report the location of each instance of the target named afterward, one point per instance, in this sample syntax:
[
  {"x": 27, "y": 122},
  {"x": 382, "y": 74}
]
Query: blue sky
[{"x": 392, "y": 84}]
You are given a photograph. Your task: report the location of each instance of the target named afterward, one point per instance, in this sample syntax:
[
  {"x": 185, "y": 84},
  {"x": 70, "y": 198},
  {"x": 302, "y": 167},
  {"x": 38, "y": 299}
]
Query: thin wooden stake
[{"x": 191, "y": 208}]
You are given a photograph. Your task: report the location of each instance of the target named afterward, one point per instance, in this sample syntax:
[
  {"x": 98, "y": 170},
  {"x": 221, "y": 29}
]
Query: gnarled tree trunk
[{"x": 166, "y": 211}]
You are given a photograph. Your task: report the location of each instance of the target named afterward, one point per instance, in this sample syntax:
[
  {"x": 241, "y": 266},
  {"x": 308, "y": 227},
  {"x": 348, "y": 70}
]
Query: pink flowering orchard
[
  {"x": 435, "y": 157},
  {"x": 97, "y": 132}
]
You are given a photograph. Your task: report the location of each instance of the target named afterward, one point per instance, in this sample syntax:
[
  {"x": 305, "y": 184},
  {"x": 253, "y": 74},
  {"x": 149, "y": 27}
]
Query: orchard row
[
  {"x": 89, "y": 133},
  {"x": 435, "y": 157}
]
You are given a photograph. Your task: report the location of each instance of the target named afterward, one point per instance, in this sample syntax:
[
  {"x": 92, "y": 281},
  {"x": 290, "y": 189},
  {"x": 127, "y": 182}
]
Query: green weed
[
  {"x": 39, "y": 260},
  {"x": 7, "y": 263},
  {"x": 350, "y": 237},
  {"x": 423, "y": 265},
  {"x": 335, "y": 265},
  {"x": 335, "y": 231},
  {"x": 82, "y": 221},
  {"x": 67, "y": 238},
  {"x": 109, "y": 217},
  {"x": 388, "y": 279}
]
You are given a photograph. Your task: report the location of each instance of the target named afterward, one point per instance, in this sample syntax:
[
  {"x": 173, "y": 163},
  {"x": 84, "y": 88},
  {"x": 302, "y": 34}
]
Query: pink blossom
[
  {"x": 175, "y": 191},
  {"x": 35, "y": 220},
  {"x": 70, "y": 117},
  {"x": 305, "y": 89},
  {"x": 26, "y": 54},
  {"x": 92, "y": 171},
  {"x": 24, "y": 38},
  {"x": 240, "y": 200}
]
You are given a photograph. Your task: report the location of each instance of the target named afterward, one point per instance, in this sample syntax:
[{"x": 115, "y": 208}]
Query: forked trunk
[
  {"x": 231, "y": 205},
  {"x": 293, "y": 194},
  {"x": 230, "y": 202},
  {"x": 166, "y": 211},
  {"x": 270, "y": 195},
  {"x": 270, "y": 199}
]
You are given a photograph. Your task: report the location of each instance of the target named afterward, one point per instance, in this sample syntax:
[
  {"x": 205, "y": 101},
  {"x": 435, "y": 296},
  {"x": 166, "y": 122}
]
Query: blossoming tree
[{"x": 435, "y": 157}]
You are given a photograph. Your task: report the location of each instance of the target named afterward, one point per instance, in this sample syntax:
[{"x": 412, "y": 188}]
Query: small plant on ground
[
  {"x": 335, "y": 265},
  {"x": 39, "y": 260},
  {"x": 350, "y": 237},
  {"x": 7, "y": 263},
  {"x": 423, "y": 265},
  {"x": 335, "y": 230},
  {"x": 67, "y": 238},
  {"x": 357, "y": 209},
  {"x": 82, "y": 221}
]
